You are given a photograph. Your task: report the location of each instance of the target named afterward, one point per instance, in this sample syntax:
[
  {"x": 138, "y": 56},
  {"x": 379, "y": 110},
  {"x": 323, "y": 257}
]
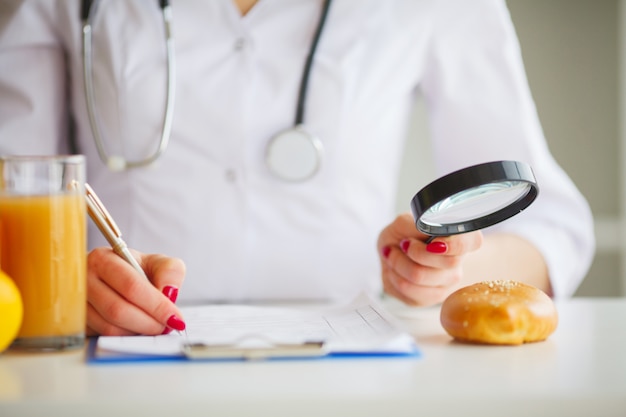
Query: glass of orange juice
[{"x": 43, "y": 247}]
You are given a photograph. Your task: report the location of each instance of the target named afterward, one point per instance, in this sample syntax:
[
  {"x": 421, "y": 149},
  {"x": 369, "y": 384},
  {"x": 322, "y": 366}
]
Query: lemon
[{"x": 11, "y": 310}]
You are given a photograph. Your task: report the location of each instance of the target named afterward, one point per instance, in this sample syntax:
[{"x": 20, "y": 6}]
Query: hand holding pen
[{"x": 123, "y": 297}]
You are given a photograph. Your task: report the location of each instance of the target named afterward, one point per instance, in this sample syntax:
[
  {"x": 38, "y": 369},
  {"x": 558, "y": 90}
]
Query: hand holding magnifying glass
[{"x": 454, "y": 207}]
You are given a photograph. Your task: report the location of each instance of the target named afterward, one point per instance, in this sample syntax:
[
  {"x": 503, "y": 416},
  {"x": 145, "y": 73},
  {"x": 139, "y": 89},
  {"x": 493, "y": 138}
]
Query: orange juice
[{"x": 43, "y": 248}]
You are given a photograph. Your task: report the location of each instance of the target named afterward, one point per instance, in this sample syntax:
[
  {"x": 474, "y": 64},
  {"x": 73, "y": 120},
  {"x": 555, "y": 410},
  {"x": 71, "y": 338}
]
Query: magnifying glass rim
[{"x": 468, "y": 178}]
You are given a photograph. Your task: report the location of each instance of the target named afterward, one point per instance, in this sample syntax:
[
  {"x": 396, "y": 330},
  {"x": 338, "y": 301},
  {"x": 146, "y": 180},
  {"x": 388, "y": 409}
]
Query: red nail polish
[
  {"x": 176, "y": 323},
  {"x": 385, "y": 251},
  {"x": 404, "y": 245},
  {"x": 167, "y": 330},
  {"x": 171, "y": 292},
  {"x": 437, "y": 247}
]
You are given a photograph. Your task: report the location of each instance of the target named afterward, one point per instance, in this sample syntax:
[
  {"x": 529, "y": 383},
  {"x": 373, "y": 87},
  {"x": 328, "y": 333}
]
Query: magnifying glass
[{"x": 473, "y": 198}]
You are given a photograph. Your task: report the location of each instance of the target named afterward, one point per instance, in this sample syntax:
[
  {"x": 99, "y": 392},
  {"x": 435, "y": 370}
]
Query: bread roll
[{"x": 499, "y": 312}]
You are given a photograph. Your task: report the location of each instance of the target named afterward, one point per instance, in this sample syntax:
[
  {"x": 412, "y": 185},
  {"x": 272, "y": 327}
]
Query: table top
[{"x": 579, "y": 371}]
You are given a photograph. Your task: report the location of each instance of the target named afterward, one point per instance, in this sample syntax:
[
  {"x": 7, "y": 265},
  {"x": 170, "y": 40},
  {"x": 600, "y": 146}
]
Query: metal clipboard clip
[{"x": 260, "y": 348}]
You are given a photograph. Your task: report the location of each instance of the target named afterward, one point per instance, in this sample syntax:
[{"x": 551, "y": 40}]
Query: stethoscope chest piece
[{"x": 294, "y": 154}]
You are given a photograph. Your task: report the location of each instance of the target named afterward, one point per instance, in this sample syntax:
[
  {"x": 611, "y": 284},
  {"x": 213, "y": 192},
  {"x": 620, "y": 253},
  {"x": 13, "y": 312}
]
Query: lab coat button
[
  {"x": 240, "y": 44},
  {"x": 231, "y": 175}
]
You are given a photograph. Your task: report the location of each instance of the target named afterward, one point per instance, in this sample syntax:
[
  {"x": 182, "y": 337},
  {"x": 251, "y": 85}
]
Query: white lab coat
[{"x": 212, "y": 201}]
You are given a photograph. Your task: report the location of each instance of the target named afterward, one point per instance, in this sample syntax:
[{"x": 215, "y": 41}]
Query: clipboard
[{"x": 361, "y": 329}]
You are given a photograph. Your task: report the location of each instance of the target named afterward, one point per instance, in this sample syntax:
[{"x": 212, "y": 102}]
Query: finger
[
  {"x": 456, "y": 245},
  {"x": 391, "y": 290},
  {"x": 166, "y": 273},
  {"x": 91, "y": 332},
  {"x": 415, "y": 265},
  {"x": 127, "y": 300},
  {"x": 443, "y": 252},
  {"x": 402, "y": 227},
  {"x": 414, "y": 294},
  {"x": 111, "y": 314},
  {"x": 418, "y": 252},
  {"x": 140, "y": 305},
  {"x": 99, "y": 326}
]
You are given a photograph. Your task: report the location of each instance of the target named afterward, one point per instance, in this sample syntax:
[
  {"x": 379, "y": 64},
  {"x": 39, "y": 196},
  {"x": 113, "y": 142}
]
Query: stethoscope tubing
[
  {"x": 118, "y": 163},
  {"x": 304, "y": 83}
]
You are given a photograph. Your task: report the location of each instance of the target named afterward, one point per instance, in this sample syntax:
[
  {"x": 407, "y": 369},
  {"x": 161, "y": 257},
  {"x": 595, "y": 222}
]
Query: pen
[{"x": 109, "y": 229}]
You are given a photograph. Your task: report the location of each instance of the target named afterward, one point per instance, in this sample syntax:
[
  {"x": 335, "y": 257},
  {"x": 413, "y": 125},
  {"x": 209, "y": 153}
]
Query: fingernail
[
  {"x": 176, "y": 323},
  {"x": 385, "y": 251},
  {"x": 171, "y": 292},
  {"x": 404, "y": 245},
  {"x": 436, "y": 247},
  {"x": 167, "y": 330}
]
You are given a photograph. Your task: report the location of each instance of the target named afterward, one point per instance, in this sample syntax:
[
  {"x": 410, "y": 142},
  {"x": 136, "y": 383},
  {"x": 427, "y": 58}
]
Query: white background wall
[{"x": 571, "y": 50}]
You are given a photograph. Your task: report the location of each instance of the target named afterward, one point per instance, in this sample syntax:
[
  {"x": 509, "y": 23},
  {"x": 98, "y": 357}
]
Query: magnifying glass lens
[{"x": 475, "y": 203}]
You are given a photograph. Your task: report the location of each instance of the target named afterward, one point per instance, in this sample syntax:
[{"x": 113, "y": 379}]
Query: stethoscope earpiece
[{"x": 116, "y": 163}]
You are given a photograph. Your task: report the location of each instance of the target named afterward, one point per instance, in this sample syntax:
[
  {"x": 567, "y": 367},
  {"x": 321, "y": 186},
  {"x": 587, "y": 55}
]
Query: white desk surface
[{"x": 579, "y": 371}]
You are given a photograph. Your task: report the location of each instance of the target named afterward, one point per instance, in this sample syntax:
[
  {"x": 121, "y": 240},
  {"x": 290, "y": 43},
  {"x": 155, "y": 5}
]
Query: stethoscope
[{"x": 294, "y": 154}]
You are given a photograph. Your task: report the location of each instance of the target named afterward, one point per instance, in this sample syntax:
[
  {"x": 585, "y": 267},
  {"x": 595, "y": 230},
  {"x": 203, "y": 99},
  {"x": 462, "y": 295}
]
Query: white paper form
[{"x": 363, "y": 326}]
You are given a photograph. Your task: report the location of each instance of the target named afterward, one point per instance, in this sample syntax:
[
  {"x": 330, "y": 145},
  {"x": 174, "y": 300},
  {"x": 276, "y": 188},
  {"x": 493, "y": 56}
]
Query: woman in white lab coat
[{"x": 212, "y": 200}]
